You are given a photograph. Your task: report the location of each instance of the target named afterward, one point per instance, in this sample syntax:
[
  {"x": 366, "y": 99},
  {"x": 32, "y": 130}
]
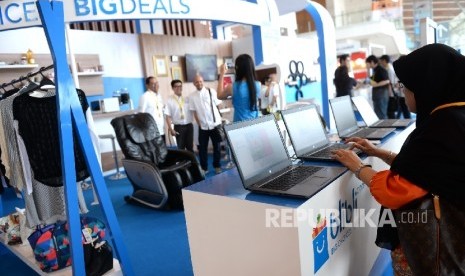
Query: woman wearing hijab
[
  {"x": 430, "y": 163},
  {"x": 245, "y": 90}
]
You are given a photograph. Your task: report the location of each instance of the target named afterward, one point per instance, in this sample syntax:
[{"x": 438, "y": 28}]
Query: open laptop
[
  {"x": 264, "y": 164},
  {"x": 346, "y": 123},
  {"x": 371, "y": 119},
  {"x": 308, "y": 135}
]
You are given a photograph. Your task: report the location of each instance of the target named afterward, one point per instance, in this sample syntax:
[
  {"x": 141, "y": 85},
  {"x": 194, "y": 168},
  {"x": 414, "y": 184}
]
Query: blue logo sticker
[{"x": 320, "y": 245}]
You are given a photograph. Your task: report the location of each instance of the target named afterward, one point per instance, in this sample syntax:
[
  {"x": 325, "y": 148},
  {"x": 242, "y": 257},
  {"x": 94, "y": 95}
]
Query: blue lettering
[
  {"x": 162, "y": 7},
  {"x": 30, "y": 11},
  {"x": 188, "y": 9},
  {"x": 341, "y": 205},
  {"x": 333, "y": 221},
  {"x": 171, "y": 8},
  {"x": 81, "y": 8},
  {"x": 8, "y": 9},
  {"x": 1, "y": 16},
  {"x": 354, "y": 198},
  {"x": 111, "y": 5},
  {"x": 175, "y": 9},
  {"x": 349, "y": 212},
  {"x": 123, "y": 8},
  {"x": 94, "y": 7},
  {"x": 142, "y": 5}
]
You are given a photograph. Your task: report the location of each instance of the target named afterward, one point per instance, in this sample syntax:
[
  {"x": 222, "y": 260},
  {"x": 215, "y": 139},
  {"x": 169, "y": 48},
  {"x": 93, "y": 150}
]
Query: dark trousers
[
  {"x": 204, "y": 136},
  {"x": 380, "y": 102},
  {"x": 403, "y": 109},
  {"x": 185, "y": 138}
]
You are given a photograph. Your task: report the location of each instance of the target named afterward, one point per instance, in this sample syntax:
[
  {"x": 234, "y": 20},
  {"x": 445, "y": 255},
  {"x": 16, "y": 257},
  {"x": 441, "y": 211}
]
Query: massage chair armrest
[
  {"x": 145, "y": 176},
  {"x": 177, "y": 155},
  {"x": 170, "y": 173}
]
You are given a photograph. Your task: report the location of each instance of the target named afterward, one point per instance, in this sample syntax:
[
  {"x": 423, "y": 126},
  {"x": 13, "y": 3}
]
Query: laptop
[
  {"x": 307, "y": 134},
  {"x": 346, "y": 123},
  {"x": 264, "y": 164},
  {"x": 371, "y": 119}
]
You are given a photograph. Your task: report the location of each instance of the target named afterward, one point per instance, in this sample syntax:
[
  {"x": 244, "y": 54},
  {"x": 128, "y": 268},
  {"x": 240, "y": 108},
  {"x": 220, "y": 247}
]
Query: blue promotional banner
[{"x": 16, "y": 14}]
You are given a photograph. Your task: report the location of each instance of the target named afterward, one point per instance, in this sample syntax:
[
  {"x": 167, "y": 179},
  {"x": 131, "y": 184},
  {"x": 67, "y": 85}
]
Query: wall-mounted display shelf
[
  {"x": 90, "y": 82},
  {"x": 19, "y": 66},
  {"x": 89, "y": 74}
]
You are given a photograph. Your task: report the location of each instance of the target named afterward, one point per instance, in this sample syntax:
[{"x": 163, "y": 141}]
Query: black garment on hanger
[
  {"x": 46, "y": 81},
  {"x": 9, "y": 93},
  {"x": 38, "y": 127}
]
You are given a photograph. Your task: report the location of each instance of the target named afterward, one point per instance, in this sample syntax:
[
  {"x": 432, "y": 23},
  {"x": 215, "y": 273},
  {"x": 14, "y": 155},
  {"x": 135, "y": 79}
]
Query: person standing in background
[
  {"x": 177, "y": 113},
  {"x": 343, "y": 82},
  {"x": 203, "y": 103},
  {"x": 384, "y": 61},
  {"x": 269, "y": 94},
  {"x": 151, "y": 102},
  {"x": 379, "y": 82},
  {"x": 402, "y": 106},
  {"x": 245, "y": 91},
  {"x": 344, "y": 60}
]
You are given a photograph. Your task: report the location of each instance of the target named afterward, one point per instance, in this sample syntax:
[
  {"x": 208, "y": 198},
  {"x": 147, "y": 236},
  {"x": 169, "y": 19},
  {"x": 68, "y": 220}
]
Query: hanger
[
  {"x": 31, "y": 85},
  {"x": 29, "y": 76}
]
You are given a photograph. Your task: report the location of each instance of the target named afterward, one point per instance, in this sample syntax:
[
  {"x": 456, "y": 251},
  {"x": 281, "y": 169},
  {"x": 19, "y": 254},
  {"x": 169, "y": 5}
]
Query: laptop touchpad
[{"x": 310, "y": 186}]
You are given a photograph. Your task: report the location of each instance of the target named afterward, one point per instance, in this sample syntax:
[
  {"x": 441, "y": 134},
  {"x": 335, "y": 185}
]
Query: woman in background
[{"x": 245, "y": 90}]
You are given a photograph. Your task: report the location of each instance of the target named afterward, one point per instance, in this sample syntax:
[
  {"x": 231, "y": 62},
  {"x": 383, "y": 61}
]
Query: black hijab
[{"x": 433, "y": 156}]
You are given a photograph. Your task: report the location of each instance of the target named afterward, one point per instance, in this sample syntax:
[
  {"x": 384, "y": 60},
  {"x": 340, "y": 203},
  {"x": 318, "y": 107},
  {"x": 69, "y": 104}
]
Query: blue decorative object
[
  {"x": 297, "y": 77},
  {"x": 320, "y": 249}
]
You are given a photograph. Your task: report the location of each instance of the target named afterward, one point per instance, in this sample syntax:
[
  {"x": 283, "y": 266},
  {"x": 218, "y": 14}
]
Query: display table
[{"x": 234, "y": 232}]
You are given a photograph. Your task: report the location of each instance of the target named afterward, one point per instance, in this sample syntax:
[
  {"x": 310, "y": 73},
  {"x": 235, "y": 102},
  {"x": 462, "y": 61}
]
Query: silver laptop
[
  {"x": 371, "y": 119},
  {"x": 346, "y": 124},
  {"x": 264, "y": 164},
  {"x": 308, "y": 135}
]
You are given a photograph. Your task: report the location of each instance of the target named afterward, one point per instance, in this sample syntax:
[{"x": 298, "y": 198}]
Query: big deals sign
[{"x": 16, "y": 14}]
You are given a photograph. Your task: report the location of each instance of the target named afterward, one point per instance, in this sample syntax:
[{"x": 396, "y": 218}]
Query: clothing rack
[{"x": 26, "y": 77}]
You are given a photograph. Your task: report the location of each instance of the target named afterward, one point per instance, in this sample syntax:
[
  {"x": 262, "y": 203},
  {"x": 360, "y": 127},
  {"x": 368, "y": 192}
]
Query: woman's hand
[
  {"x": 223, "y": 69},
  {"x": 348, "y": 158},
  {"x": 364, "y": 145}
]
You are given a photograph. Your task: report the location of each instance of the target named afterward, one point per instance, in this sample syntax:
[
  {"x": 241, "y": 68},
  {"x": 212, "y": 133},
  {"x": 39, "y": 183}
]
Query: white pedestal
[{"x": 231, "y": 232}]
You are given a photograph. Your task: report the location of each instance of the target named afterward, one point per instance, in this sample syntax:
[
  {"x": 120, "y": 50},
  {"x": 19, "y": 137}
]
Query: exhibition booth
[{"x": 226, "y": 224}]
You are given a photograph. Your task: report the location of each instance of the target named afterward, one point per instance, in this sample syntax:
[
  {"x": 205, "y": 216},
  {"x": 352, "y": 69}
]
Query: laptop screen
[
  {"x": 258, "y": 148},
  {"x": 366, "y": 111},
  {"x": 305, "y": 129},
  {"x": 343, "y": 115}
]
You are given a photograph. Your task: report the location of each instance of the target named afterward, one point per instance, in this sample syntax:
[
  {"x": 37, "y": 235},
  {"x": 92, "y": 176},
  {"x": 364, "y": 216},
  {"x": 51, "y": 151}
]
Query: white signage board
[{"x": 16, "y": 14}]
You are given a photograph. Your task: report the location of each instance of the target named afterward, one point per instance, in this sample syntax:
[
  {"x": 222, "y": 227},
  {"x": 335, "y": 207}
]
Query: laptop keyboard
[
  {"x": 387, "y": 123},
  {"x": 364, "y": 132},
  {"x": 291, "y": 178},
  {"x": 326, "y": 152}
]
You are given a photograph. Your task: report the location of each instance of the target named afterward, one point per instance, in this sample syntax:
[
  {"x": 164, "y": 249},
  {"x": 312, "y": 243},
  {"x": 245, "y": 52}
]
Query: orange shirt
[{"x": 393, "y": 191}]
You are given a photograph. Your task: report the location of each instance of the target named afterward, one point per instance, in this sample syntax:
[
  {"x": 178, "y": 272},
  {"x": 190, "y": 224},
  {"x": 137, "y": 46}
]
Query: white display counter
[{"x": 232, "y": 231}]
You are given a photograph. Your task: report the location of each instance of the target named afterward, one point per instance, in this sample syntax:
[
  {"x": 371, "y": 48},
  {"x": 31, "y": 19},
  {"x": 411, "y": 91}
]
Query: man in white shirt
[
  {"x": 177, "y": 113},
  {"x": 204, "y": 106},
  {"x": 151, "y": 102},
  {"x": 269, "y": 95}
]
